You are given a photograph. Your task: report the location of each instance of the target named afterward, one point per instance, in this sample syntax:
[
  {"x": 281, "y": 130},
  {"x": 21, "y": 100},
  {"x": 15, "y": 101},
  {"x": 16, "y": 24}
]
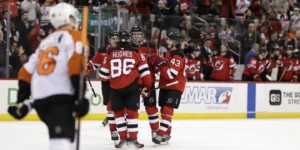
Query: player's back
[
  {"x": 125, "y": 66},
  {"x": 54, "y": 61}
]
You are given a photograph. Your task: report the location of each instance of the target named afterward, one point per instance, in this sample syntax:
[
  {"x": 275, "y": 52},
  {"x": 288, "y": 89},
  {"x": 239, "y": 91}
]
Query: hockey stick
[
  {"x": 82, "y": 65},
  {"x": 91, "y": 85},
  {"x": 169, "y": 84},
  {"x": 282, "y": 73}
]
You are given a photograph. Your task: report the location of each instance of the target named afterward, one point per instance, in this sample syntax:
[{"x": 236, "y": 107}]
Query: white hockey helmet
[{"x": 61, "y": 13}]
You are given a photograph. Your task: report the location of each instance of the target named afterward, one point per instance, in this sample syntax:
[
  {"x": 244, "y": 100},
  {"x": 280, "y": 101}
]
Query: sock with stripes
[
  {"x": 166, "y": 118},
  {"x": 152, "y": 112},
  {"x": 121, "y": 124},
  {"x": 111, "y": 118},
  {"x": 132, "y": 123}
]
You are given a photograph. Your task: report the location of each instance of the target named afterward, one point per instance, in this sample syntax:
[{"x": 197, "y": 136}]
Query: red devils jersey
[
  {"x": 147, "y": 52},
  {"x": 223, "y": 68},
  {"x": 193, "y": 69},
  {"x": 289, "y": 69},
  {"x": 256, "y": 67},
  {"x": 174, "y": 71},
  {"x": 123, "y": 66},
  {"x": 98, "y": 58}
]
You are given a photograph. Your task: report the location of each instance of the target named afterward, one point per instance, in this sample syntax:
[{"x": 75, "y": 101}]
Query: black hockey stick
[
  {"x": 82, "y": 65},
  {"x": 91, "y": 85}
]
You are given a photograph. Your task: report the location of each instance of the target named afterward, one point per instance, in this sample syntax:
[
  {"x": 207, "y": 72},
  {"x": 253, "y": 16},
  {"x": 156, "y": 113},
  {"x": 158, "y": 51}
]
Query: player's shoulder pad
[
  {"x": 102, "y": 50},
  {"x": 177, "y": 52},
  {"x": 76, "y": 35},
  {"x": 151, "y": 45}
]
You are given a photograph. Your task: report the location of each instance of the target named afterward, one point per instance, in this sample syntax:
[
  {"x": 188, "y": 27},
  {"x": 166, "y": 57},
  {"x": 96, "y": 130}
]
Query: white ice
[{"x": 279, "y": 134}]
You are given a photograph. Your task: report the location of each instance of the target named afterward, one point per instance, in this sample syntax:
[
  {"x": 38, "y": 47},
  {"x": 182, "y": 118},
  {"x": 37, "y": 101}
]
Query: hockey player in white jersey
[{"x": 51, "y": 78}]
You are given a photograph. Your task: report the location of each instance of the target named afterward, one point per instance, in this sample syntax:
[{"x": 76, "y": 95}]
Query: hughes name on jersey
[{"x": 122, "y": 67}]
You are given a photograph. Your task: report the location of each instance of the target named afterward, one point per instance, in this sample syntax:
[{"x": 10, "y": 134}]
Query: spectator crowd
[{"x": 237, "y": 29}]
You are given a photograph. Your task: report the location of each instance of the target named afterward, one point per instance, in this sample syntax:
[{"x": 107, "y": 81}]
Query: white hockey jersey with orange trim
[{"x": 49, "y": 69}]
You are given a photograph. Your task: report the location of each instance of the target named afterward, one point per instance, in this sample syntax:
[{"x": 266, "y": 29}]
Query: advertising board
[
  {"x": 278, "y": 100},
  {"x": 200, "y": 100}
]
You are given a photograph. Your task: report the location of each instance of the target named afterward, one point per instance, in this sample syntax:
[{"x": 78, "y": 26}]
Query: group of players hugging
[{"x": 127, "y": 68}]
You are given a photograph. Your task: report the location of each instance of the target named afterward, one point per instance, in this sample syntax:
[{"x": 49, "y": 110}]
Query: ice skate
[
  {"x": 166, "y": 138},
  {"x": 157, "y": 139},
  {"x": 153, "y": 134},
  {"x": 122, "y": 144},
  {"x": 114, "y": 136},
  {"x": 134, "y": 144},
  {"x": 105, "y": 122}
]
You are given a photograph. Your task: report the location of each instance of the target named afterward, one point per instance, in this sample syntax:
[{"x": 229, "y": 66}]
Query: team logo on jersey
[
  {"x": 192, "y": 69},
  {"x": 219, "y": 65}
]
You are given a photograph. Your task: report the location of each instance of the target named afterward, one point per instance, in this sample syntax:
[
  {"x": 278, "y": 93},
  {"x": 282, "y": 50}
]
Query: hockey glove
[
  {"x": 145, "y": 92},
  {"x": 81, "y": 108},
  {"x": 159, "y": 62},
  {"x": 20, "y": 110}
]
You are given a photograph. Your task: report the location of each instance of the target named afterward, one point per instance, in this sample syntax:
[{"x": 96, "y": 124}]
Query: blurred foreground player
[
  {"x": 97, "y": 62},
  {"x": 139, "y": 41},
  {"x": 51, "y": 77},
  {"x": 124, "y": 65},
  {"x": 172, "y": 69}
]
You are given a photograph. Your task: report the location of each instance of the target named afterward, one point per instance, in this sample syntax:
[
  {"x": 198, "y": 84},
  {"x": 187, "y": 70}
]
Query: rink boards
[{"x": 201, "y": 100}]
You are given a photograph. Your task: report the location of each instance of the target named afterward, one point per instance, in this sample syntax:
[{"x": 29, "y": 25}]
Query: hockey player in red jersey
[
  {"x": 95, "y": 63},
  {"x": 193, "y": 64},
  {"x": 288, "y": 66},
  {"x": 150, "y": 101},
  {"x": 123, "y": 66},
  {"x": 256, "y": 67},
  {"x": 224, "y": 66},
  {"x": 172, "y": 69}
]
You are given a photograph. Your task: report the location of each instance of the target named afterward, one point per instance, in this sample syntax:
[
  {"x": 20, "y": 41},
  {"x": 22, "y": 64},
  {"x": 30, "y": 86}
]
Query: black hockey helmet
[
  {"x": 175, "y": 36},
  {"x": 136, "y": 29},
  {"x": 290, "y": 47},
  {"x": 276, "y": 47},
  {"x": 196, "y": 49},
  {"x": 124, "y": 36},
  {"x": 112, "y": 33}
]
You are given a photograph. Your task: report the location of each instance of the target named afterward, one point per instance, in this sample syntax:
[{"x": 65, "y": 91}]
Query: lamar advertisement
[{"x": 214, "y": 97}]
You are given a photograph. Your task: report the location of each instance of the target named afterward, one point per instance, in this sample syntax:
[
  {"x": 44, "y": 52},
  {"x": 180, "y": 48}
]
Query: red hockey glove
[
  {"x": 145, "y": 92},
  {"x": 152, "y": 58}
]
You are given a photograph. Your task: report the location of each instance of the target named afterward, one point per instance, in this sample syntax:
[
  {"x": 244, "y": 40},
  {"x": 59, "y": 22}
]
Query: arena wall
[{"x": 201, "y": 100}]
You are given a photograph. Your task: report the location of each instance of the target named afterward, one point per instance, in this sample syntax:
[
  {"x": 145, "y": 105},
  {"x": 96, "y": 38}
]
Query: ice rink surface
[{"x": 279, "y": 134}]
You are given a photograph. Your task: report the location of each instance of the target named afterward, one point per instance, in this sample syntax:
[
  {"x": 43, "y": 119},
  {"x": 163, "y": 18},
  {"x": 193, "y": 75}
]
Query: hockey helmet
[
  {"x": 124, "y": 36},
  {"x": 112, "y": 33},
  {"x": 197, "y": 49},
  {"x": 175, "y": 37},
  {"x": 290, "y": 47},
  {"x": 276, "y": 47},
  {"x": 61, "y": 13},
  {"x": 137, "y": 34}
]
